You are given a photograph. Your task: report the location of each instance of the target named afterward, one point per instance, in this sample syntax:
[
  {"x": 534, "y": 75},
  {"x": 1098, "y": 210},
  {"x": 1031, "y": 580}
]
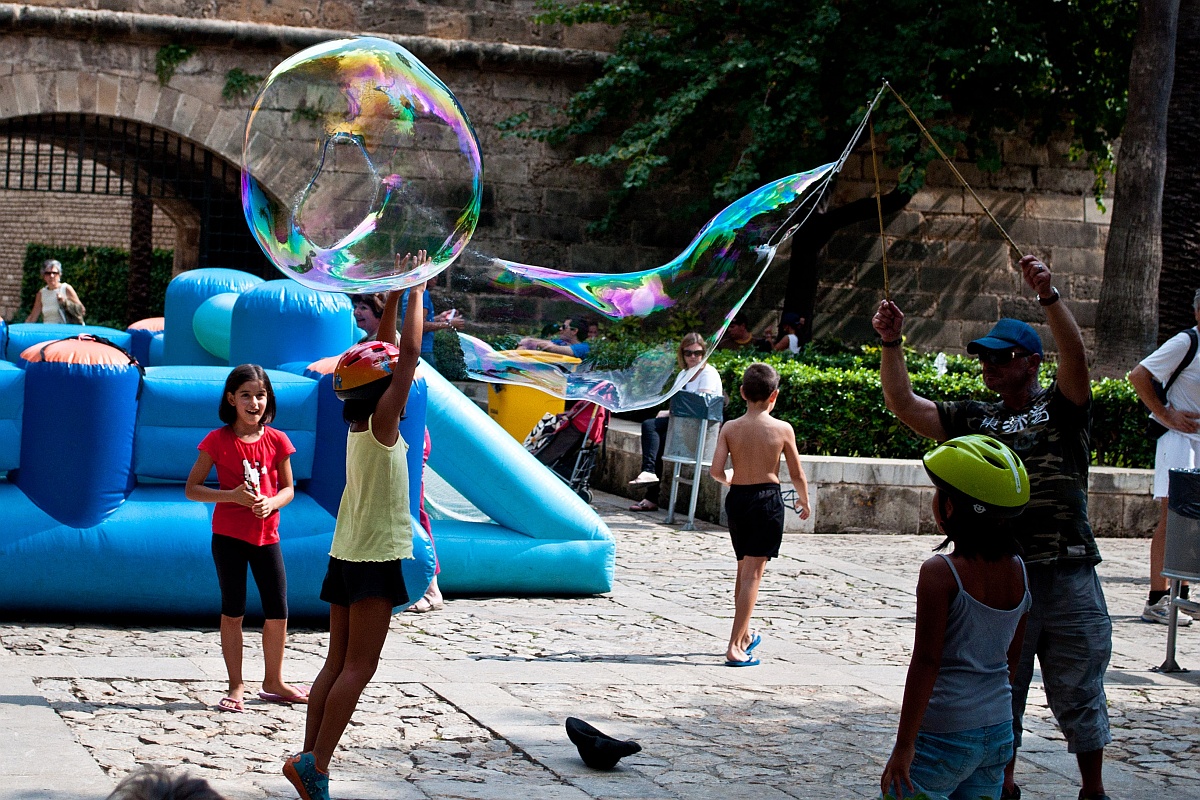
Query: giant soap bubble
[
  {"x": 354, "y": 151},
  {"x": 700, "y": 290}
]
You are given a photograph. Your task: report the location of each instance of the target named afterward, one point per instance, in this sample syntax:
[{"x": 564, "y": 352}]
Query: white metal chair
[{"x": 691, "y": 440}]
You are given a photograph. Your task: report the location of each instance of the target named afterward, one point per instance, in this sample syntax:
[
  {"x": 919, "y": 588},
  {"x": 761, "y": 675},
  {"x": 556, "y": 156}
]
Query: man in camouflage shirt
[{"x": 1068, "y": 628}]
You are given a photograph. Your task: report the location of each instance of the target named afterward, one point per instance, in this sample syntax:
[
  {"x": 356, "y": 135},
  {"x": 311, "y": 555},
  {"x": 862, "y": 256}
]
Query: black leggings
[{"x": 232, "y": 556}]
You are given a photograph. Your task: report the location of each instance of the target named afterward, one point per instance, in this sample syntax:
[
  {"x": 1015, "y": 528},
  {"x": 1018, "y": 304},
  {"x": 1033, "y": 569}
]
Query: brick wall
[{"x": 62, "y": 219}]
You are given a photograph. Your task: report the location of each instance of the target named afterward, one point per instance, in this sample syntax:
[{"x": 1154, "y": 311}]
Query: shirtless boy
[{"x": 754, "y": 506}]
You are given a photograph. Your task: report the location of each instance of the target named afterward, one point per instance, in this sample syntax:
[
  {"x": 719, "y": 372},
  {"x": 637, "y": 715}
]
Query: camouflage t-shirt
[{"x": 1052, "y": 436}]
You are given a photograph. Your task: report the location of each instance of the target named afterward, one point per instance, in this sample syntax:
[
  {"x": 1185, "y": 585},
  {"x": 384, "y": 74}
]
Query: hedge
[
  {"x": 100, "y": 275},
  {"x": 835, "y": 402}
]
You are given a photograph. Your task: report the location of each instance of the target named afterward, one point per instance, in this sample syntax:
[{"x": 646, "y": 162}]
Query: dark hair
[
  {"x": 156, "y": 783},
  {"x": 758, "y": 382},
  {"x": 360, "y": 409},
  {"x": 241, "y": 374},
  {"x": 739, "y": 320},
  {"x": 975, "y": 535},
  {"x": 375, "y": 302},
  {"x": 582, "y": 325}
]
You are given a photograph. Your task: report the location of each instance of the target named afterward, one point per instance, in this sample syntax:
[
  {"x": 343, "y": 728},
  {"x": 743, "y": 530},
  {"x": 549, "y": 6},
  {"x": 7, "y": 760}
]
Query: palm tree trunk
[
  {"x": 1180, "y": 277},
  {"x": 1127, "y": 317}
]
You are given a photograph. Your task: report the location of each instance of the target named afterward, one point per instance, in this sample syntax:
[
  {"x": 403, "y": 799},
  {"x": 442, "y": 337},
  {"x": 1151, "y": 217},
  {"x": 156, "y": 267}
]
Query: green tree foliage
[
  {"x": 100, "y": 275},
  {"x": 728, "y": 94}
]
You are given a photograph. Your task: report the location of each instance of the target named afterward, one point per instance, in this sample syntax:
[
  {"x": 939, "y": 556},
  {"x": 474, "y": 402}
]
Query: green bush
[
  {"x": 832, "y": 397},
  {"x": 100, "y": 275}
]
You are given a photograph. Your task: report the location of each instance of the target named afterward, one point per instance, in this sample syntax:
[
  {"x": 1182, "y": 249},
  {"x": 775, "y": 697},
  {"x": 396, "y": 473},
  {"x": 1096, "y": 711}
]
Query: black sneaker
[{"x": 1011, "y": 794}]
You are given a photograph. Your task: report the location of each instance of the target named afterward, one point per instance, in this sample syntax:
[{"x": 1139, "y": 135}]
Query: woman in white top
[
  {"x": 790, "y": 326},
  {"x": 48, "y": 301},
  {"x": 706, "y": 381}
]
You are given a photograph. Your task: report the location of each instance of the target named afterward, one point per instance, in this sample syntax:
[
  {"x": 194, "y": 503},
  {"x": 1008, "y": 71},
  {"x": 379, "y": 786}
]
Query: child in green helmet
[{"x": 956, "y": 722}]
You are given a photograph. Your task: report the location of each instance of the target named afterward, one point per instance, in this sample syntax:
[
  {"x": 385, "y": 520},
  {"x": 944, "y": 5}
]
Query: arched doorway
[{"x": 142, "y": 167}]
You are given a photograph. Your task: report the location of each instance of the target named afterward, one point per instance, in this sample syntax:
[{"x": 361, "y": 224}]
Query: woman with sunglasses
[
  {"x": 706, "y": 381},
  {"x": 49, "y": 301}
]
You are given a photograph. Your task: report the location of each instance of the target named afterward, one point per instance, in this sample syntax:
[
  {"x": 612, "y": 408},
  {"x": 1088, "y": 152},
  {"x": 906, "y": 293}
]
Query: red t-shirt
[{"x": 238, "y": 461}]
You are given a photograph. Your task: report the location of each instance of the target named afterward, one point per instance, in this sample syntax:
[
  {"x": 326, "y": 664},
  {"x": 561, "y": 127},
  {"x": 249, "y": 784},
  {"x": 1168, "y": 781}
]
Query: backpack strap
[{"x": 1187, "y": 359}]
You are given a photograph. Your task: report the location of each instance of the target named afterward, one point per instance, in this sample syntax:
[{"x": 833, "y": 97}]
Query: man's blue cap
[{"x": 1008, "y": 333}]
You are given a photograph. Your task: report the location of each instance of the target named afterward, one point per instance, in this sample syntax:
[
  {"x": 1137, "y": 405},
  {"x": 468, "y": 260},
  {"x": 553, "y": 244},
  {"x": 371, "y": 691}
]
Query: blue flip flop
[
  {"x": 755, "y": 642},
  {"x": 749, "y": 662}
]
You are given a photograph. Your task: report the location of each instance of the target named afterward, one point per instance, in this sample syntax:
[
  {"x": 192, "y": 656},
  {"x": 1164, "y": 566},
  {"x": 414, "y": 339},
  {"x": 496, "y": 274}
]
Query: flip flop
[
  {"x": 231, "y": 704},
  {"x": 643, "y": 506},
  {"x": 749, "y": 662},
  {"x": 755, "y": 642},
  {"x": 301, "y": 697}
]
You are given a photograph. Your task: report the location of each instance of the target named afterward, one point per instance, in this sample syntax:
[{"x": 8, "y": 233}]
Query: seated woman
[
  {"x": 570, "y": 340},
  {"x": 706, "y": 381},
  {"x": 790, "y": 325},
  {"x": 50, "y": 301}
]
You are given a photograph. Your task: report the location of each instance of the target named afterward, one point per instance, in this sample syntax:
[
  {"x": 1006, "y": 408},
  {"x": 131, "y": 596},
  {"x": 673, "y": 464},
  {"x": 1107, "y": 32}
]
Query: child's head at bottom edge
[{"x": 981, "y": 484}]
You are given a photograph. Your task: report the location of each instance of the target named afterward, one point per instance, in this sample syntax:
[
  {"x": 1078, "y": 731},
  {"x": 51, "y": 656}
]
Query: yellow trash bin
[{"x": 518, "y": 408}]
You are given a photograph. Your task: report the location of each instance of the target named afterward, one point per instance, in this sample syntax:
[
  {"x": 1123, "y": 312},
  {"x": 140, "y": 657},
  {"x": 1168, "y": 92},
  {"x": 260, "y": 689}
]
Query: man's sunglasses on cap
[{"x": 1001, "y": 358}]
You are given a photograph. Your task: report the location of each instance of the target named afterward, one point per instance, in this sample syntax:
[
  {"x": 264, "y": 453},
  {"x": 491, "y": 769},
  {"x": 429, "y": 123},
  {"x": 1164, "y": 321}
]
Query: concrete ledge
[{"x": 875, "y": 495}]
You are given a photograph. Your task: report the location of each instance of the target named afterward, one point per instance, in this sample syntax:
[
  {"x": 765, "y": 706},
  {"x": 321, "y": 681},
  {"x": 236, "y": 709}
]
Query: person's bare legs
[
  {"x": 1091, "y": 772},
  {"x": 749, "y": 576},
  {"x": 339, "y": 633},
  {"x": 274, "y": 638},
  {"x": 368, "y": 627},
  {"x": 1158, "y": 550},
  {"x": 231, "y": 651}
]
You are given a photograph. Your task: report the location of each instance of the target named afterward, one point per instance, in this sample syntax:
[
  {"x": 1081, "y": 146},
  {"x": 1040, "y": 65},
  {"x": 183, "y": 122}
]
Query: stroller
[{"x": 571, "y": 443}]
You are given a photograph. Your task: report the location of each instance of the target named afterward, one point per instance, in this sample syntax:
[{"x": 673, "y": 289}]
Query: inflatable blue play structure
[{"x": 97, "y": 446}]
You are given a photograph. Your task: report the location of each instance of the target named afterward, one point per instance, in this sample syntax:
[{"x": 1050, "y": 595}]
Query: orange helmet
[{"x": 361, "y": 366}]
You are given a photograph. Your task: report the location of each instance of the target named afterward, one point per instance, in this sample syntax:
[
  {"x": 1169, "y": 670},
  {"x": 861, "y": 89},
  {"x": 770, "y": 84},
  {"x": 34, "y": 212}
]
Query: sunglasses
[
  {"x": 52, "y": 272},
  {"x": 1001, "y": 358},
  {"x": 693, "y": 353}
]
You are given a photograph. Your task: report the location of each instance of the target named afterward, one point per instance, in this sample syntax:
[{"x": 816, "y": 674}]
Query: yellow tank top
[{"x": 373, "y": 521}]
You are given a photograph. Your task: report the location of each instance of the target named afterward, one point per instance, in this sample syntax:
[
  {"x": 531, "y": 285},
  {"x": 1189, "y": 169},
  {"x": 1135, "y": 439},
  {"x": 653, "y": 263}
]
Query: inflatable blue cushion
[
  {"x": 185, "y": 293},
  {"x": 27, "y": 334},
  {"x": 12, "y": 404},
  {"x": 281, "y": 321}
]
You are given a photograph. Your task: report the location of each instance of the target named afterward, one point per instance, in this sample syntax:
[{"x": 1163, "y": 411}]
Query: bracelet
[
  {"x": 1051, "y": 300},
  {"x": 891, "y": 342}
]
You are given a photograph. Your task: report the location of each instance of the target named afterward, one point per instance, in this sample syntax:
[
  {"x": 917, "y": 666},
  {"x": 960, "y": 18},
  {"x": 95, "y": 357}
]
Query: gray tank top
[{"x": 972, "y": 689}]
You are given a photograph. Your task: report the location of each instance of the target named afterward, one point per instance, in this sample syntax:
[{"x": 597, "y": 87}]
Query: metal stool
[
  {"x": 691, "y": 440},
  {"x": 1181, "y": 560}
]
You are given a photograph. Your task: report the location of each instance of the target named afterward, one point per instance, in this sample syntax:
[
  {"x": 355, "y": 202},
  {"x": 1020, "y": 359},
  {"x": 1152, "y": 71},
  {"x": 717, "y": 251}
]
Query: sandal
[
  {"x": 231, "y": 704},
  {"x": 643, "y": 505}
]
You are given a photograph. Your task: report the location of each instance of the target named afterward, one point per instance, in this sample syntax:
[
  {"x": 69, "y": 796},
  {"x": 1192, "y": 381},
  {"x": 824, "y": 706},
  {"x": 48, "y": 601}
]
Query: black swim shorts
[
  {"x": 755, "y": 515},
  {"x": 347, "y": 582}
]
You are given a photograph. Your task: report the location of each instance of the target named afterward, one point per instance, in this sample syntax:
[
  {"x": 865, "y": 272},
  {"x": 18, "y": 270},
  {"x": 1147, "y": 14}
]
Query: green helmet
[{"x": 984, "y": 471}]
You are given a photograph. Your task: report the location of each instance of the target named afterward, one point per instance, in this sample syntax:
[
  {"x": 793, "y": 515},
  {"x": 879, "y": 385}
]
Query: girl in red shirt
[{"x": 254, "y": 471}]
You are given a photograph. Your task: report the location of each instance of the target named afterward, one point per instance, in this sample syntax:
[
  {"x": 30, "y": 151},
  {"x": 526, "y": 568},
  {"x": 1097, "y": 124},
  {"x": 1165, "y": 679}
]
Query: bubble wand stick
[{"x": 887, "y": 291}]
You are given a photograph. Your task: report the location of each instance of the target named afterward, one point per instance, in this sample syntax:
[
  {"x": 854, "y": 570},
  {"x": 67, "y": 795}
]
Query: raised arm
[
  {"x": 918, "y": 413},
  {"x": 386, "y": 420},
  {"x": 1073, "y": 379}
]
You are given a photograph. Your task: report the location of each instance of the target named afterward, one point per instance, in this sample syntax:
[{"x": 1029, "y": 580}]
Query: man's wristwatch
[{"x": 1052, "y": 299}]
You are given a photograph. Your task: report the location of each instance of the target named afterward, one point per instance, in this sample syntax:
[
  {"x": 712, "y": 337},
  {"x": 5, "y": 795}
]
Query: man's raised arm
[{"x": 918, "y": 413}]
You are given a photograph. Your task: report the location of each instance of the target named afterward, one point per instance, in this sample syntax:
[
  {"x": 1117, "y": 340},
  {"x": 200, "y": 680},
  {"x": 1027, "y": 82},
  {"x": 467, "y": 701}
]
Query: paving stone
[{"x": 469, "y": 702}]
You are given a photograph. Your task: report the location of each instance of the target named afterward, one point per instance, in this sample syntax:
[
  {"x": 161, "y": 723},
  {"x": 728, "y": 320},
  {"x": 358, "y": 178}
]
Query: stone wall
[{"x": 950, "y": 269}]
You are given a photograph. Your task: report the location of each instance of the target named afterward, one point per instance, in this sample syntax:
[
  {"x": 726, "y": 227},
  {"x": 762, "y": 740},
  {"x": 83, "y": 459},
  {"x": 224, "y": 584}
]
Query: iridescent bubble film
[
  {"x": 642, "y": 316},
  {"x": 355, "y": 152}
]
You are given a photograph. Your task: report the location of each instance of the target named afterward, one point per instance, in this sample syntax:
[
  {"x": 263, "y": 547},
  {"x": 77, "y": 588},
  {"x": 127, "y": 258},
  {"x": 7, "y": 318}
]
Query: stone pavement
[{"x": 469, "y": 702}]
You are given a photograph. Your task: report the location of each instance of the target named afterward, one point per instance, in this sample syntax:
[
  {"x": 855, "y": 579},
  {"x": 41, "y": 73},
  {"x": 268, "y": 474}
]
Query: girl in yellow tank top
[{"x": 373, "y": 534}]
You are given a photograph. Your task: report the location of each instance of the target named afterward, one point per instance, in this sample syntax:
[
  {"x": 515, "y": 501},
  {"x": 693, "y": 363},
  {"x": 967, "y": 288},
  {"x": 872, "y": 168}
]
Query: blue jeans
[{"x": 965, "y": 765}]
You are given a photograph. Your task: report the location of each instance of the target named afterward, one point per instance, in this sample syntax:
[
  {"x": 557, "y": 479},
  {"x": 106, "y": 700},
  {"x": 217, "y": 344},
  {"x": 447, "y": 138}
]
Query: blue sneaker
[{"x": 310, "y": 782}]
